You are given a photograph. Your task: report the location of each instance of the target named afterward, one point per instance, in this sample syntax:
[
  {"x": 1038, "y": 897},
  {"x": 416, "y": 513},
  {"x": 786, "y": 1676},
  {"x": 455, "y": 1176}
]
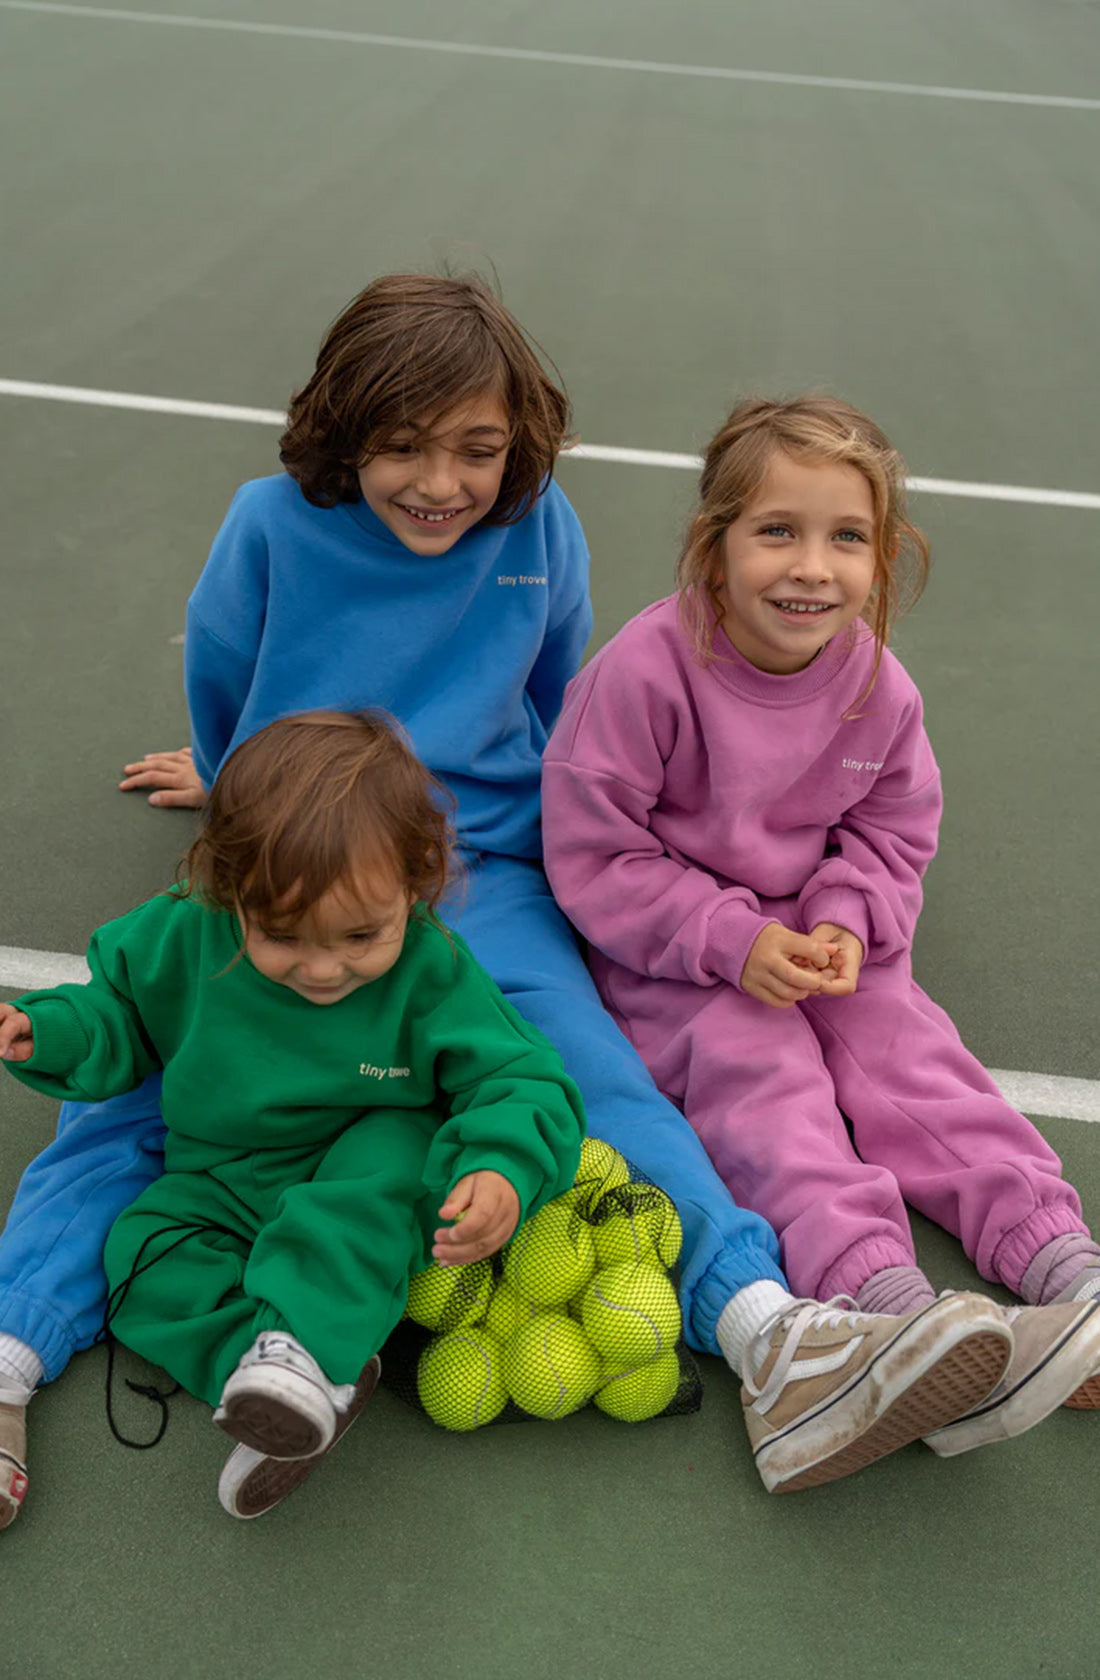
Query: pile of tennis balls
[{"x": 578, "y": 1308}]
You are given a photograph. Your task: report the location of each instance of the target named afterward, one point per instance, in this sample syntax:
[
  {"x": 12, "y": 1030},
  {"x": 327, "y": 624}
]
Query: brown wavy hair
[
  {"x": 807, "y": 428},
  {"x": 407, "y": 351},
  {"x": 312, "y": 802}
]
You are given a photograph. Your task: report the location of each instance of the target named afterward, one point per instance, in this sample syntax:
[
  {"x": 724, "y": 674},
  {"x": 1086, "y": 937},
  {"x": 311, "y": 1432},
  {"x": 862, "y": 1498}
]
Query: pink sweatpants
[{"x": 764, "y": 1088}]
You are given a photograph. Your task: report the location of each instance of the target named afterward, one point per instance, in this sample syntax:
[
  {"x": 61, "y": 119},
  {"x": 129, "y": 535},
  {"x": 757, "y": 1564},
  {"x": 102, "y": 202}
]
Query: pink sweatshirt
[{"x": 678, "y": 800}]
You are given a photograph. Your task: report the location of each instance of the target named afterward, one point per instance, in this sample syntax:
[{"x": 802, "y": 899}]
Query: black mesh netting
[{"x": 580, "y": 1307}]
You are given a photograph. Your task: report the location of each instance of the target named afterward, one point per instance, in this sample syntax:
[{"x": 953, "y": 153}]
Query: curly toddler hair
[{"x": 316, "y": 801}]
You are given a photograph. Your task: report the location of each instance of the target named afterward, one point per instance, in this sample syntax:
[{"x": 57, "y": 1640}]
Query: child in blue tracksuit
[{"x": 416, "y": 555}]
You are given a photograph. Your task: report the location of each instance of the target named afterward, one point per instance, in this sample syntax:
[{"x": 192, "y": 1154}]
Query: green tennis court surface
[{"x": 184, "y": 208}]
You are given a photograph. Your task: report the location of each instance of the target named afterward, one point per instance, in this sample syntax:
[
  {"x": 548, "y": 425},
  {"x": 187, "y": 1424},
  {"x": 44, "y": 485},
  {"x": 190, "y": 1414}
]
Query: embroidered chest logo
[
  {"x": 369, "y": 1071},
  {"x": 520, "y": 578},
  {"x": 861, "y": 764}
]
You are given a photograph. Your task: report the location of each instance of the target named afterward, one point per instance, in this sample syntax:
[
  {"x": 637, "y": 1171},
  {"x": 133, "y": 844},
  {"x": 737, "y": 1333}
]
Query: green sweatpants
[{"x": 320, "y": 1242}]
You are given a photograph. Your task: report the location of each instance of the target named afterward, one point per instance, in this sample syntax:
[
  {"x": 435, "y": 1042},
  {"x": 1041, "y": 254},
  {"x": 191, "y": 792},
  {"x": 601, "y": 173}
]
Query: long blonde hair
[{"x": 807, "y": 428}]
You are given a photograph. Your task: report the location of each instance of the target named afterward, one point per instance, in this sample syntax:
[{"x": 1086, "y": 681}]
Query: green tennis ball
[
  {"x": 508, "y": 1312},
  {"x": 602, "y": 1168},
  {"x": 631, "y": 1314},
  {"x": 550, "y": 1366},
  {"x": 551, "y": 1256},
  {"x": 643, "y": 1392},
  {"x": 460, "y": 1379},
  {"x": 448, "y": 1297},
  {"x": 645, "y": 1227}
]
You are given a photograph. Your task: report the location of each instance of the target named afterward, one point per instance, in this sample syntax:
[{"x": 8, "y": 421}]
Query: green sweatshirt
[{"x": 250, "y": 1065}]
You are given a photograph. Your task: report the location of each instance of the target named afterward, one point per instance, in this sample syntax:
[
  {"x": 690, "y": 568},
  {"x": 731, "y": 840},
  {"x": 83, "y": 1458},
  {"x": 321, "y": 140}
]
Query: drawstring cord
[{"x": 148, "y": 1391}]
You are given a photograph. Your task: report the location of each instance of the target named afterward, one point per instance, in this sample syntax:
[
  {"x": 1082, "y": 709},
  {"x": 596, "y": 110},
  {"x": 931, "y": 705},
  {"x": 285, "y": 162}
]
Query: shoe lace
[
  {"x": 277, "y": 1345},
  {"x": 273, "y": 1344},
  {"x": 796, "y": 1318}
]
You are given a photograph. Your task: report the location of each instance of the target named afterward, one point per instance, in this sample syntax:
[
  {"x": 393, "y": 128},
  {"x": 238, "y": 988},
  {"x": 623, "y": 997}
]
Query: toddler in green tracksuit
[{"x": 339, "y": 1076}]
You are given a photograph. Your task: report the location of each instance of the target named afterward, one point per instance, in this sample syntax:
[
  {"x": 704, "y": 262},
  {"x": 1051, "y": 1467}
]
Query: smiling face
[
  {"x": 436, "y": 479},
  {"x": 353, "y": 935},
  {"x": 798, "y": 563}
]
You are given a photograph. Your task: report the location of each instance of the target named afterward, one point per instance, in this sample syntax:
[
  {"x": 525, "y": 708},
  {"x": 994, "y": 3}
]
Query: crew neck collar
[{"x": 769, "y": 688}]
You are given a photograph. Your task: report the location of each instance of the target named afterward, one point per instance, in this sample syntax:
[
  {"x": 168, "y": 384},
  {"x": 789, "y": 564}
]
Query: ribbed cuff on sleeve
[{"x": 60, "y": 1042}]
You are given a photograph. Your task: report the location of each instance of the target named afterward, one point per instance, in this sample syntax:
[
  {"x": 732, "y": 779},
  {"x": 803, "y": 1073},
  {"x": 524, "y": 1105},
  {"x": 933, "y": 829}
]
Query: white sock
[
  {"x": 745, "y": 1315},
  {"x": 20, "y": 1370}
]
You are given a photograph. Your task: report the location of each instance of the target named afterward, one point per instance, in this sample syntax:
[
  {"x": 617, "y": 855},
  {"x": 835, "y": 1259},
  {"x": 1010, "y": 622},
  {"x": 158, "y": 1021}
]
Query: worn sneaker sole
[
  {"x": 938, "y": 1367},
  {"x": 13, "y": 1488},
  {"x": 1087, "y": 1397},
  {"x": 1040, "y": 1392},
  {"x": 251, "y": 1483},
  {"x": 277, "y": 1412}
]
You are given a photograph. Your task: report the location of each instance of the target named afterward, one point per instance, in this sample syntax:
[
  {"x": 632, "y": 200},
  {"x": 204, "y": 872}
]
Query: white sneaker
[
  {"x": 251, "y": 1482},
  {"x": 279, "y": 1402},
  {"x": 828, "y": 1389},
  {"x": 1055, "y": 1362}
]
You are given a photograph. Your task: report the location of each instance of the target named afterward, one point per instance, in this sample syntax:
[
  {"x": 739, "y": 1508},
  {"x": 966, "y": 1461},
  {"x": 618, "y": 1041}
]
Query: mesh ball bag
[{"x": 580, "y": 1308}]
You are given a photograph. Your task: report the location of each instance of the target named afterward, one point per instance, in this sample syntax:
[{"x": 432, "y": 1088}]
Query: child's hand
[
  {"x": 842, "y": 975},
  {"x": 488, "y": 1208},
  {"x": 16, "y": 1034},
  {"x": 784, "y": 967},
  {"x": 173, "y": 775}
]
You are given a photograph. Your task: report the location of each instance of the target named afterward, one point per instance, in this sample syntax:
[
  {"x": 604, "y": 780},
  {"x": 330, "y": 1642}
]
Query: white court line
[
  {"x": 580, "y": 452},
  {"x": 1047, "y": 1094},
  {"x": 30, "y": 971},
  {"x": 534, "y": 55}
]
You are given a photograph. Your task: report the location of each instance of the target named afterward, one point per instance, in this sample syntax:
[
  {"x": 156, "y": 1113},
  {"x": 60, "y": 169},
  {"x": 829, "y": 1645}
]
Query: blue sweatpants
[{"x": 52, "y": 1284}]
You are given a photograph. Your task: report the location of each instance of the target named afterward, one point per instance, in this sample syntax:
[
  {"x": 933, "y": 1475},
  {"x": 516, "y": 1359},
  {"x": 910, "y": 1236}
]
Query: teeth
[
  {"x": 803, "y": 606},
  {"x": 432, "y": 518}
]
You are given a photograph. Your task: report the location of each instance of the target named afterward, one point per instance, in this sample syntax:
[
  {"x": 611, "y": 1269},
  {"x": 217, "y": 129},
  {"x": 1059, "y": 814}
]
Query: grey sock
[
  {"x": 896, "y": 1290},
  {"x": 1057, "y": 1265}
]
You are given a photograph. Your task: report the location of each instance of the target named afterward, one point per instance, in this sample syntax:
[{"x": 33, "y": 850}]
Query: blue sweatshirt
[{"x": 300, "y": 608}]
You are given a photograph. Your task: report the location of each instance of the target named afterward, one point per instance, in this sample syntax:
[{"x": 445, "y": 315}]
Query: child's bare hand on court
[
  {"x": 16, "y": 1034},
  {"x": 171, "y": 774},
  {"x": 784, "y": 967},
  {"x": 488, "y": 1208},
  {"x": 842, "y": 975}
]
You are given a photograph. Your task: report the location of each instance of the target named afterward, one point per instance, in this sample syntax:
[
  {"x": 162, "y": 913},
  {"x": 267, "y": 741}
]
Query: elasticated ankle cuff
[{"x": 729, "y": 1274}]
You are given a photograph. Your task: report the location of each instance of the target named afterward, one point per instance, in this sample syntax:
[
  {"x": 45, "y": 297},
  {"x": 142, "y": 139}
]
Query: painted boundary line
[
  {"x": 534, "y": 55},
  {"x": 1047, "y": 1094},
  {"x": 581, "y": 452}
]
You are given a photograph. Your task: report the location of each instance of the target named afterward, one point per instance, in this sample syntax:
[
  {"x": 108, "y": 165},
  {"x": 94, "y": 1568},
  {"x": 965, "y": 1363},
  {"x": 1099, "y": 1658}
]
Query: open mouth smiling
[
  {"x": 803, "y": 609},
  {"x": 431, "y": 516}
]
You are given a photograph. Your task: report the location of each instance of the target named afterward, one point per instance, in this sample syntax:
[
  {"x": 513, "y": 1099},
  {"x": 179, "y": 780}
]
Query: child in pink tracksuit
[{"x": 739, "y": 802}]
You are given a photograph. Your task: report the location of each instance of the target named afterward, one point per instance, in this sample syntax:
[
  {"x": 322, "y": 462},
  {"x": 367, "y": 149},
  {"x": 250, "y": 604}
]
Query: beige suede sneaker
[
  {"x": 828, "y": 1389},
  {"x": 1055, "y": 1362}
]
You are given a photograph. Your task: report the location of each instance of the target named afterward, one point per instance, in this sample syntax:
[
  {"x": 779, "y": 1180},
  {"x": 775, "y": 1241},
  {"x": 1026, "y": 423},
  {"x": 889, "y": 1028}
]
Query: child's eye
[
  {"x": 365, "y": 938},
  {"x": 278, "y": 938},
  {"x": 775, "y": 531},
  {"x": 482, "y": 454},
  {"x": 400, "y": 449},
  {"x": 851, "y": 536}
]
